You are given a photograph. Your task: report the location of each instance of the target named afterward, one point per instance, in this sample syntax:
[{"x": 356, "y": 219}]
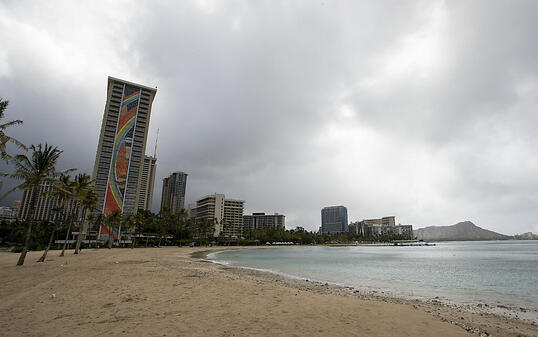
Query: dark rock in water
[{"x": 463, "y": 231}]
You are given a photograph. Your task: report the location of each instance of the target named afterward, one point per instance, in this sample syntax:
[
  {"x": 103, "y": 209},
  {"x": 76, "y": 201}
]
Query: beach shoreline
[
  {"x": 527, "y": 315},
  {"x": 169, "y": 291}
]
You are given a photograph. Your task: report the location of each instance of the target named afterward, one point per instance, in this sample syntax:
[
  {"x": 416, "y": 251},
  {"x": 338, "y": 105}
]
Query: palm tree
[
  {"x": 138, "y": 226},
  {"x": 127, "y": 220},
  {"x": 89, "y": 204},
  {"x": 4, "y": 139},
  {"x": 95, "y": 219},
  {"x": 181, "y": 218},
  {"x": 83, "y": 187},
  {"x": 160, "y": 225},
  {"x": 41, "y": 167},
  {"x": 112, "y": 221},
  {"x": 66, "y": 187},
  {"x": 62, "y": 191}
]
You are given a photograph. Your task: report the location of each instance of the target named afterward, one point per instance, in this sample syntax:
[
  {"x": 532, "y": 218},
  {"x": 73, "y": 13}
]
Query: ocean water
[{"x": 488, "y": 272}]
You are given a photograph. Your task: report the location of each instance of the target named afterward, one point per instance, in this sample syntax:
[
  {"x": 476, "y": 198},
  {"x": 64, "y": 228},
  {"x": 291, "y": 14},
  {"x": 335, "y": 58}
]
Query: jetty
[{"x": 411, "y": 243}]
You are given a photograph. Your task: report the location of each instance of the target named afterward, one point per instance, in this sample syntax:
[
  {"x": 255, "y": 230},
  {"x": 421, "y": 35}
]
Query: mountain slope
[{"x": 462, "y": 231}]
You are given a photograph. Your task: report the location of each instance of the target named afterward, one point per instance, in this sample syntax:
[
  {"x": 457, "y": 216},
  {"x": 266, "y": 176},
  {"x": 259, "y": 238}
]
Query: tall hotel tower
[
  {"x": 173, "y": 195},
  {"x": 119, "y": 163}
]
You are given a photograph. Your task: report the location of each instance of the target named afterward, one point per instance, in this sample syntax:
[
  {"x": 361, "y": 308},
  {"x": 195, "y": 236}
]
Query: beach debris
[
  {"x": 116, "y": 262},
  {"x": 53, "y": 295}
]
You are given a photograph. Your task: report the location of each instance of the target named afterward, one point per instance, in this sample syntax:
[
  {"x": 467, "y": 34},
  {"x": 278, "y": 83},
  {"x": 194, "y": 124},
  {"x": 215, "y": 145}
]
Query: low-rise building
[
  {"x": 263, "y": 221},
  {"x": 7, "y": 213},
  {"x": 381, "y": 227}
]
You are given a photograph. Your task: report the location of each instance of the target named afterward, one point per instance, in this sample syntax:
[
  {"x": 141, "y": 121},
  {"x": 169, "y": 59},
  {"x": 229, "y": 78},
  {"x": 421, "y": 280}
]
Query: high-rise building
[
  {"x": 173, "y": 195},
  {"x": 334, "y": 220},
  {"x": 227, "y": 214},
  {"x": 147, "y": 180},
  {"x": 46, "y": 207},
  {"x": 263, "y": 221},
  {"x": 118, "y": 168}
]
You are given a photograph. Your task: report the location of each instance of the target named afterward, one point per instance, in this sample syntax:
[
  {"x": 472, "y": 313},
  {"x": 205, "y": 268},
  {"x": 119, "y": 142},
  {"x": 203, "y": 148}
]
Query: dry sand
[{"x": 166, "y": 292}]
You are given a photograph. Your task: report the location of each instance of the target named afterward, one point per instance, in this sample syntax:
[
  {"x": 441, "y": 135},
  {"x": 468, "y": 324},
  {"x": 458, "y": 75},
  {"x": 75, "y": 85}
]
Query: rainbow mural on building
[
  {"x": 114, "y": 232},
  {"x": 121, "y": 155}
]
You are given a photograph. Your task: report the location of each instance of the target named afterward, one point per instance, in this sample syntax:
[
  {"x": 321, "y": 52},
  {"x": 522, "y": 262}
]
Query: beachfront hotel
[
  {"x": 385, "y": 226},
  {"x": 46, "y": 205},
  {"x": 147, "y": 181},
  {"x": 173, "y": 194},
  {"x": 264, "y": 221},
  {"x": 119, "y": 163},
  {"x": 227, "y": 214},
  {"x": 334, "y": 220}
]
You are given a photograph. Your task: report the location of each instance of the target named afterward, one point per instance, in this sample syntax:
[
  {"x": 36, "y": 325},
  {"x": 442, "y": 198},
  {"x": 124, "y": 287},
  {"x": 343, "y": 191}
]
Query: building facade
[
  {"x": 384, "y": 221},
  {"x": 381, "y": 227},
  {"x": 119, "y": 160},
  {"x": 334, "y": 220},
  {"x": 264, "y": 221},
  {"x": 46, "y": 206},
  {"x": 173, "y": 194},
  {"x": 227, "y": 214},
  {"x": 7, "y": 213},
  {"x": 147, "y": 180}
]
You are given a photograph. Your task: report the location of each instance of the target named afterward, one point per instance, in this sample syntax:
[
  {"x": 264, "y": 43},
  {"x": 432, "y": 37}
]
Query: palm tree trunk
[
  {"x": 66, "y": 237},
  {"x": 133, "y": 239},
  {"x": 111, "y": 238},
  {"x": 44, "y": 256},
  {"x": 79, "y": 236},
  {"x": 35, "y": 191}
]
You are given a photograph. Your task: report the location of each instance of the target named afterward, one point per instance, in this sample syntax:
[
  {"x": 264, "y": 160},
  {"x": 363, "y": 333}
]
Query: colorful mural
[
  {"x": 121, "y": 154},
  {"x": 108, "y": 231}
]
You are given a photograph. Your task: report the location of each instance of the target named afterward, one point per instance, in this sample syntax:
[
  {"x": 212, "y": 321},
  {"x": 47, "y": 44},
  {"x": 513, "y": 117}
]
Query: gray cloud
[{"x": 425, "y": 110}]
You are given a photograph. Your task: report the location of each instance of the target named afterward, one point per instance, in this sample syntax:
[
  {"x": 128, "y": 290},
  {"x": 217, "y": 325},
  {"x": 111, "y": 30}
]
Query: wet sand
[{"x": 171, "y": 292}]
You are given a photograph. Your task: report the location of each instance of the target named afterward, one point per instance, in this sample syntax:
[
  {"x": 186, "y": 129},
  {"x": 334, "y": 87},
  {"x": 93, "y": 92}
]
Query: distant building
[
  {"x": 263, "y": 221},
  {"x": 10, "y": 213},
  {"x": 334, "y": 220},
  {"x": 173, "y": 194},
  {"x": 119, "y": 161},
  {"x": 147, "y": 180},
  {"x": 16, "y": 205},
  {"x": 7, "y": 213},
  {"x": 385, "y": 221},
  {"x": 381, "y": 227},
  {"x": 191, "y": 211},
  {"x": 46, "y": 206},
  {"x": 227, "y": 214}
]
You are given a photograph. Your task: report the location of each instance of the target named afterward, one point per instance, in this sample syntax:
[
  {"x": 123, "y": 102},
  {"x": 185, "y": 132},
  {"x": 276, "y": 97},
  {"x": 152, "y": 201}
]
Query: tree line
[{"x": 76, "y": 208}]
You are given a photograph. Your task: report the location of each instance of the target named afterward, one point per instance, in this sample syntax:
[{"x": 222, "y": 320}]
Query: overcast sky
[{"x": 424, "y": 110}]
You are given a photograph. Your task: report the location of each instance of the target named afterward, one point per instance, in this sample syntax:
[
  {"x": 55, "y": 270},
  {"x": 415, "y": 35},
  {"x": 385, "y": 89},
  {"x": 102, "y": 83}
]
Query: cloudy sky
[{"x": 424, "y": 110}]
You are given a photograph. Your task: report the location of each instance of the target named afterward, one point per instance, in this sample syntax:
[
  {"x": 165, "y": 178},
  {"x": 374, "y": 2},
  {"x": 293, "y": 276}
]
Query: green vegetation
[{"x": 5, "y": 139}]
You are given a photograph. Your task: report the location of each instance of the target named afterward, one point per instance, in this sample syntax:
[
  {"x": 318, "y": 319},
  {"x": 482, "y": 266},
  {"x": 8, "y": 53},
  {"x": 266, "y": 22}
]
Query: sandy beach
[{"x": 172, "y": 292}]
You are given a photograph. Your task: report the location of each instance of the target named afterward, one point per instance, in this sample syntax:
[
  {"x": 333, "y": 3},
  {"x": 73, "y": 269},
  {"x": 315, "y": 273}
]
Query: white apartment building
[{"x": 227, "y": 214}]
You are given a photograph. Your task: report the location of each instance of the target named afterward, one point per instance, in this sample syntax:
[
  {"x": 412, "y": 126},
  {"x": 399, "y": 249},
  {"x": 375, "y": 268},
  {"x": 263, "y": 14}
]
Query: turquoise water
[{"x": 490, "y": 272}]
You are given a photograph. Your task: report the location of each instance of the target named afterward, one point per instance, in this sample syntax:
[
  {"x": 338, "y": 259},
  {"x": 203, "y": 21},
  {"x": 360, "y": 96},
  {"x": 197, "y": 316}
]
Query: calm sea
[{"x": 489, "y": 272}]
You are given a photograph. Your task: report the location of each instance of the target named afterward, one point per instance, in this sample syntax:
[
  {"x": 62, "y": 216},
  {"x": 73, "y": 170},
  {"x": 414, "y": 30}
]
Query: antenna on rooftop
[{"x": 156, "y": 140}]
